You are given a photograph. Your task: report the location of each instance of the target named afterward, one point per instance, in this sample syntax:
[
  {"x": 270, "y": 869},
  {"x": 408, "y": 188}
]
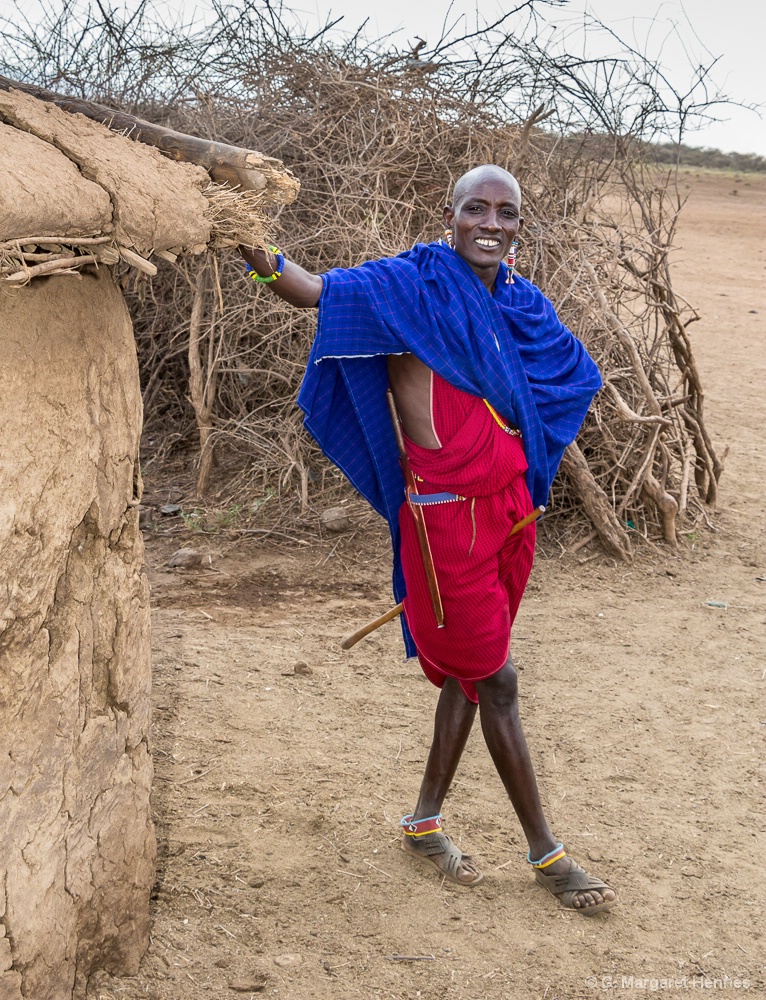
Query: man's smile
[{"x": 486, "y": 241}]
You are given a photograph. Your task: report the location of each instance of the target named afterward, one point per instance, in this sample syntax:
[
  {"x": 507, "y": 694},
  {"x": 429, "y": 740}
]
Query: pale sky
[{"x": 733, "y": 30}]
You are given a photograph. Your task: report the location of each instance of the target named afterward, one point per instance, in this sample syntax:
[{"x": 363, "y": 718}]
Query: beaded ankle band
[
  {"x": 420, "y": 827},
  {"x": 280, "y": 266},
  {"x": 556, "y": 854}
]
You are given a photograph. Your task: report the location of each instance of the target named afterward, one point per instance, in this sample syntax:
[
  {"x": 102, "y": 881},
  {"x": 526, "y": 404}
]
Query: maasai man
[{"x": 490, "y": 388}]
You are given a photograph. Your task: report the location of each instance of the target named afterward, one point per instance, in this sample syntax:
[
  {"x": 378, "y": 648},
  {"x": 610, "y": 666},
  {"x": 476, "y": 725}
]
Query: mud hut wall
[{"x": 77, "y": 843}]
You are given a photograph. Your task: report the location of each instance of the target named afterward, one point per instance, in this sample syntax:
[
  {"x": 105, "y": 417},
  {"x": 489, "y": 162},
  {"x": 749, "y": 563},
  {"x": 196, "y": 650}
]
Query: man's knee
[{"x": 500, "y": 691}]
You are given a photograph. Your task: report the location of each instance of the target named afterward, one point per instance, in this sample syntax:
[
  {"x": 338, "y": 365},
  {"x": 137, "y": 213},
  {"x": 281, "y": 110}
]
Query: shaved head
[{"x": 486, "y": 172}]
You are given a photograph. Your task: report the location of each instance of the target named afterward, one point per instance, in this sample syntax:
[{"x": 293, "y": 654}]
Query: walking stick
[
  {"x": 417, "y": 513},
  {"x": 355, "y": 637}
]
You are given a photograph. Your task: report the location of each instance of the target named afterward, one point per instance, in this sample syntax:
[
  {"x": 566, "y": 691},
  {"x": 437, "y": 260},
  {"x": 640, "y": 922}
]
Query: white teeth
[{"x": 488, "y": 243}]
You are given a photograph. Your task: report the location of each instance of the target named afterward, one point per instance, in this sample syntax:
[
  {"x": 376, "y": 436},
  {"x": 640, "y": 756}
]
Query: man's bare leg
[
  {"x": 454, "y": 717},
  {"x": 452, "y": 725},
  {"x": 499, "y": 712}
]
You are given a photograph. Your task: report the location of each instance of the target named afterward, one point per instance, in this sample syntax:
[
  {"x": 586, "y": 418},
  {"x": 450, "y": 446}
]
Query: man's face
[{"x": 485, "y": 220}]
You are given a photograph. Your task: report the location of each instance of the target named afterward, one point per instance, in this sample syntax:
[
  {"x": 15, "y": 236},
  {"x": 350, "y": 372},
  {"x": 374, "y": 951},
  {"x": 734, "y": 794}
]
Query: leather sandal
[
  {"x": 425, "y": 839},
  {"x": 568, "y": 886}
]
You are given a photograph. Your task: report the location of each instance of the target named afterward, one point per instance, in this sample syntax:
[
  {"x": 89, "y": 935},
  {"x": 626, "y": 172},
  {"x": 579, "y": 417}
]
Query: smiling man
[{"x": 490, "y": 388}]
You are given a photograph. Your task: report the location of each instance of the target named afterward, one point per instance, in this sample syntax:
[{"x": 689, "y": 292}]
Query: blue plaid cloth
[{"x": 509, "y": 347}]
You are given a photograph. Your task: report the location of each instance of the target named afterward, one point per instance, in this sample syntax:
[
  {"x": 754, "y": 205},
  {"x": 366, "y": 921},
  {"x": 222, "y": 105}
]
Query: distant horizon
[{"x": 704, "y": 147}]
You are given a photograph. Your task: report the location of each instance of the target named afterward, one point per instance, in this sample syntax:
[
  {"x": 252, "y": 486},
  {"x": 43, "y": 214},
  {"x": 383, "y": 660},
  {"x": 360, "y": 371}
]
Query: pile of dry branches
[{"x": 377, "y": 139}]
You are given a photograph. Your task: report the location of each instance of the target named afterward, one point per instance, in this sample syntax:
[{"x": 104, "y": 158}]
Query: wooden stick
[
  {"x": 59, "y": 265},
  {"x": 520, "y": 525},
  {"x": 596, "y": 503},
  {"x": 411, "y": 958},
  {"x": 46, "y": 241},
  {"x": 417, "y": 513},
  {"x": 353, "y": 639},
  {"x": 137, "y": 261}
]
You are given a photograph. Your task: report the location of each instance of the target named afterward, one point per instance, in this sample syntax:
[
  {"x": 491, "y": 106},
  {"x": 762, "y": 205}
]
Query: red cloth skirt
[{"x": 481, "y": 572}]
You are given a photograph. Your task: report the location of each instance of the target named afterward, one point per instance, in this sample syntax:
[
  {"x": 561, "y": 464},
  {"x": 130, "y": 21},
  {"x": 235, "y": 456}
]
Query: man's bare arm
[{"x": 295, "y": 285}]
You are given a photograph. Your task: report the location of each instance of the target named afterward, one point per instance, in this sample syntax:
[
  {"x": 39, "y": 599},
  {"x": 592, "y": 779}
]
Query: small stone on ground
[
  {"x": 336, "y": 520},
  {"x": 185, "y": 559},
  {"x": 253, "y": 983}
]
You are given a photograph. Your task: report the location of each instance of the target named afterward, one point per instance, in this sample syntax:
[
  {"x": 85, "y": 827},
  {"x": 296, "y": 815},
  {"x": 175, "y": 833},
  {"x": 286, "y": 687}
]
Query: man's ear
[
  {"x": 448, "y": 215},
  {"x": 521, "y": 223}
]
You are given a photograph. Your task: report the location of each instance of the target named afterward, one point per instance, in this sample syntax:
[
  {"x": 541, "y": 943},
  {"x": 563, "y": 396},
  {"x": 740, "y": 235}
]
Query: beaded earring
[
  {"x": 511, "y": 263},
  {"x": 448, "y": 238}
]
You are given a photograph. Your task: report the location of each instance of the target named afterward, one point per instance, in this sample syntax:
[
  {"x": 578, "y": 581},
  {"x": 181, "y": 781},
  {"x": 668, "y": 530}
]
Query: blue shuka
[{"x": 509, "y": 348}]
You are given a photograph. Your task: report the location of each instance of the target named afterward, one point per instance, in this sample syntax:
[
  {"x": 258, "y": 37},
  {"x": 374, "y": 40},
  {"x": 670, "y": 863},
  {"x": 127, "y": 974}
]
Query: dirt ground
[{"x": 283, "y": 764}]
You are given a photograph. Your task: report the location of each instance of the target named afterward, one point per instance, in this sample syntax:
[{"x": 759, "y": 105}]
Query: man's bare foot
[
  {"x": 439, "y": 849},
  {"x": 574, "y": 888}
]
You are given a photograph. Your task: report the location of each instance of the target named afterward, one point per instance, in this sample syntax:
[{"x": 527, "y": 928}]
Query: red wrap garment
[{"x": 481, "y": 572}]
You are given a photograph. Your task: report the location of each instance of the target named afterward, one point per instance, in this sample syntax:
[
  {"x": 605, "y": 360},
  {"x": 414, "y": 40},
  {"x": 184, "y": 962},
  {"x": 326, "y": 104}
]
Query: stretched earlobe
[{"x": 448, "y": 215}]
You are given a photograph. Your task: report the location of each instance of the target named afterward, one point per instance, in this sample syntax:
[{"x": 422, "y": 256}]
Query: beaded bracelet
[{"x": 280, "y": 266}]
